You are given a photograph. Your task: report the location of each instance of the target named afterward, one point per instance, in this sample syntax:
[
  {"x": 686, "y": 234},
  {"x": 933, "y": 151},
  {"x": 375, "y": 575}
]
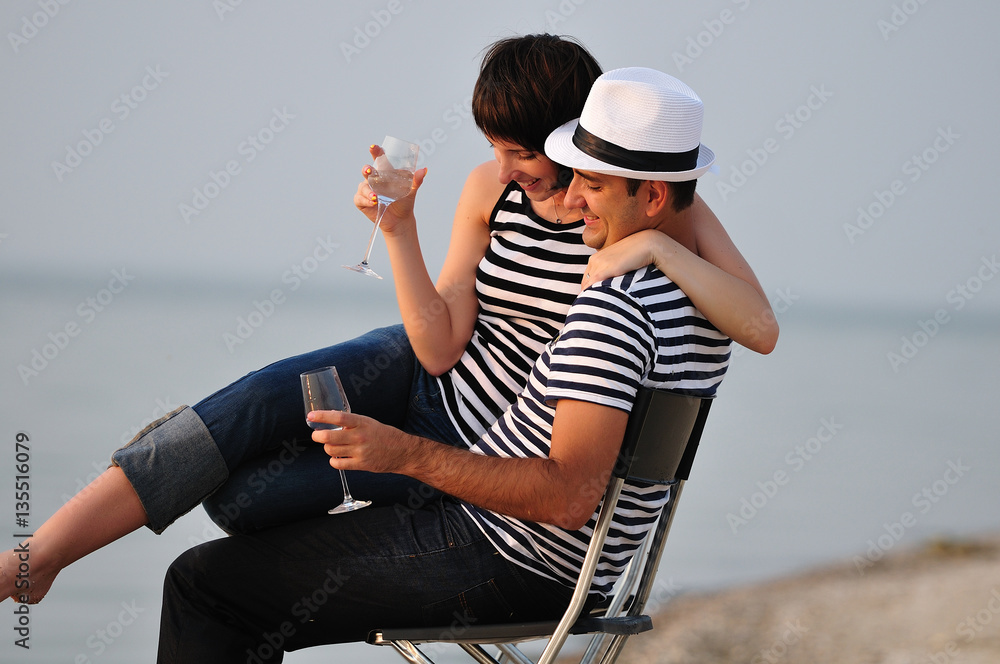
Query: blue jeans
[
  {"x": 249, "y": 598},
  {"x": 247, "y": 453}
]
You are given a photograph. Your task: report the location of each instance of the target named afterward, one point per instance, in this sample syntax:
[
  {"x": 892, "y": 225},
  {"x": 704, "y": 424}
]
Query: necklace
[{"x": 555, "y": 213}]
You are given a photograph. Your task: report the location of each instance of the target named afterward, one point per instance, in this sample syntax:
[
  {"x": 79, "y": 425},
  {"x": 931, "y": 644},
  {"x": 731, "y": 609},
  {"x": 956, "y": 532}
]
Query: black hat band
[{"x": 634, "y": 160}]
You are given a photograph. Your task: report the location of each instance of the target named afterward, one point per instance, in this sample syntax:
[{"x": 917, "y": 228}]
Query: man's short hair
[{"x": 681, "y": 193}]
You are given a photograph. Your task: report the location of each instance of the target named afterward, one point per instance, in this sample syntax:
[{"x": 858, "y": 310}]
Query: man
[{"x": 503, "y": 543}]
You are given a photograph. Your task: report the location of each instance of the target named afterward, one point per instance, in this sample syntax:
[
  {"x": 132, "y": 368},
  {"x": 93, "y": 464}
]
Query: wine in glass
[
  {"x": 322, "y": 390},
  {"x": 391, "y": 178}
]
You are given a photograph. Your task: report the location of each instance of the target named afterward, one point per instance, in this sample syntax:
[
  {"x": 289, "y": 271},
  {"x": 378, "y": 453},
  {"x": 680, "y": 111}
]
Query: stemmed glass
[
  {"x": 391, "y": 178},
  {"x": 322, "y": 390}
]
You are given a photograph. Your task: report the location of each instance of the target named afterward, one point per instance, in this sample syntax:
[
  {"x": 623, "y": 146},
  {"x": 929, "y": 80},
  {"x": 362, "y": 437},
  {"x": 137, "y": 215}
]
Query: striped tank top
[
  {"x": 525, "y": 284},
  {"x": 638, "y": 329}
]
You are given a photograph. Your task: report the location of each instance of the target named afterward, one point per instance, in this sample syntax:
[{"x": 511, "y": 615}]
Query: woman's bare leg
[{"x": 108, "y": 508}]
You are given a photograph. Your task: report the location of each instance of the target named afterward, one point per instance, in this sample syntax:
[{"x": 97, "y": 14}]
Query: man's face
[{"x": 608, "y": 211}]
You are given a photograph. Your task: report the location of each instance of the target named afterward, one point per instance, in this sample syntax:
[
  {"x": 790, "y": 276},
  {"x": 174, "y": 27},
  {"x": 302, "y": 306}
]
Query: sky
[{"x": 223, "y": 141}]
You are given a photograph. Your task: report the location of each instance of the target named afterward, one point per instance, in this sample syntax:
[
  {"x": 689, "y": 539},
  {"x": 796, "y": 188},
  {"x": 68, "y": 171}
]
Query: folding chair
[{"x": 659, "y": 446}]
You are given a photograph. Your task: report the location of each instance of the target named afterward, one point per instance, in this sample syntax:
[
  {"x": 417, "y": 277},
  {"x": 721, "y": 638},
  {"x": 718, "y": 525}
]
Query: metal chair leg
[{"x": 410, "y": 652}]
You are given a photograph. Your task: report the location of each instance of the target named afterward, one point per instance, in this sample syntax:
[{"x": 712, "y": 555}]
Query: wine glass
[
  {"x": 391, "y": 178},
  {"x": 322, "y": 390}
]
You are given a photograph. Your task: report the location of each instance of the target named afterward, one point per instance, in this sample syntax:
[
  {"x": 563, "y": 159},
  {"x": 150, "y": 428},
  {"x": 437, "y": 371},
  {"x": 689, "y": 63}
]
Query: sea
[{"x": 868, "y": 430}]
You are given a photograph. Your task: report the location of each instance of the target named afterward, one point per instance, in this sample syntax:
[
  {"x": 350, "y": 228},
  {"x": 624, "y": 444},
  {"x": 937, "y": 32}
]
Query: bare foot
[
  {"x": 105, "y": 510},
  {"x": 23, "y": 577}
]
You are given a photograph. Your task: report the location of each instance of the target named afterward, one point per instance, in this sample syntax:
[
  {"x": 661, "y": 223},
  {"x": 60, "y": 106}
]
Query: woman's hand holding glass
[
  {"x": 390, "y": 179},
  {"x": 400, "y": 212}
]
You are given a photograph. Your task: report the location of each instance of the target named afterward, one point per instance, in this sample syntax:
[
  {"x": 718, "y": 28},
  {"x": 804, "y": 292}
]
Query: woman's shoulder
[
  {"x": 485, "y": 177},
  {"x": 483, "y": 188}
]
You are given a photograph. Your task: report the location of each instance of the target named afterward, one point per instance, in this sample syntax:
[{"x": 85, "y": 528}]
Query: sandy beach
[{"x": 938, "y": 603}]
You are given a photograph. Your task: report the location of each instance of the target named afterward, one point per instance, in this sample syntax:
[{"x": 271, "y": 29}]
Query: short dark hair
[
  {"x": 530, "y": 85},
  {"x": 681, "y": 193}
]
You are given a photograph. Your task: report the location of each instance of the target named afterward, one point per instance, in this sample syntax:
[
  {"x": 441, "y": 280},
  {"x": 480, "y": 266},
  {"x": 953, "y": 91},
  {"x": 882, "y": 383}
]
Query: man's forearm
[
  {"x": 562, "y": 488},
  {"x": 529, "y": 489}
]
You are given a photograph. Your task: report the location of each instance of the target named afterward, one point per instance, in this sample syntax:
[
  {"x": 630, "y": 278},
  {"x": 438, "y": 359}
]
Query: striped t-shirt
[
  {"x": 639, "y": 329},
  {"x": 525, "y": 283}
]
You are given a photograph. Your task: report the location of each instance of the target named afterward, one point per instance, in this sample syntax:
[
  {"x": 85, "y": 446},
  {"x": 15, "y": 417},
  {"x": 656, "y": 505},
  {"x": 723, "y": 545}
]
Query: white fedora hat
[{"x": 637, "y": 123}]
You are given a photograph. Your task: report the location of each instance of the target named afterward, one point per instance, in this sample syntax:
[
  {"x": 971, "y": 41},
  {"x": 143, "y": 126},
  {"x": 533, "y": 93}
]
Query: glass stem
[
  {"x": 347, "y": 492},
  {"x": 382, "y": 205}
]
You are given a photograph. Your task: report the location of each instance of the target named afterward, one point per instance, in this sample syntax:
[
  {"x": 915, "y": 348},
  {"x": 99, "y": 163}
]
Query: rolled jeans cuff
[{"x": 173, "y": 464}]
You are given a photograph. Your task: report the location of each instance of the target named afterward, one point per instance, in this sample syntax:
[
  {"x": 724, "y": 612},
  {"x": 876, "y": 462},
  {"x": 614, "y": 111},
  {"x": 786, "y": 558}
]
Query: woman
[
  {"x": 515, "y": 263},
  {"x": 473, "y": 297}
]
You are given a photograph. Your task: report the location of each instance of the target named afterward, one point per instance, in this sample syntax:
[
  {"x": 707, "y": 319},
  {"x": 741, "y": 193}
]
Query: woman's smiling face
[{"x": 533, "y": 171}]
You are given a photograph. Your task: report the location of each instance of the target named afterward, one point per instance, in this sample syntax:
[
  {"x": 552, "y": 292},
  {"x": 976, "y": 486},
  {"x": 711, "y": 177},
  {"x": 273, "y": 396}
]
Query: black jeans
[{"x": 249, "y": 598}]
